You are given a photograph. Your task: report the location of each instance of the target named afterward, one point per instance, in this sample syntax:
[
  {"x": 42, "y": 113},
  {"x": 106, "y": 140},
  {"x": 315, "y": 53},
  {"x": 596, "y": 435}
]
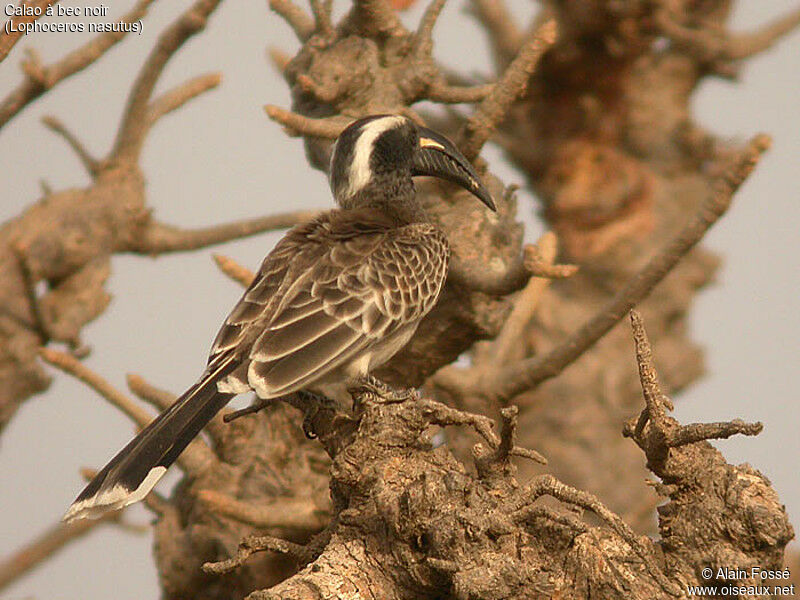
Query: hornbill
[{"x": 335, "y": 299}]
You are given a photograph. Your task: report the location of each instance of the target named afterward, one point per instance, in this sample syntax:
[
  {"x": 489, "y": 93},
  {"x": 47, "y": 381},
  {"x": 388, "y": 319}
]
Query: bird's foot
[
  {"x": 257, "y": 405},
  {"x": 311, "y": 405},
  {"x": 380, "y": 391}
]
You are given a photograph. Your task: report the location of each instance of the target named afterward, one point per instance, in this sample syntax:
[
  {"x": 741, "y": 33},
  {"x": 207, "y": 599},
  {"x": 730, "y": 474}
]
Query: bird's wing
[{"x": 352, "y": 284}]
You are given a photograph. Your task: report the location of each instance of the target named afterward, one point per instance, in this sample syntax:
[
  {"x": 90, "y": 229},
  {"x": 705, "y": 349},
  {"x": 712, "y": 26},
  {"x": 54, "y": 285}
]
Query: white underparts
[
  {"x": 232, "y": 385},
  {"x": 113, "y": 499},
  {"x": 360, "y": 172}
]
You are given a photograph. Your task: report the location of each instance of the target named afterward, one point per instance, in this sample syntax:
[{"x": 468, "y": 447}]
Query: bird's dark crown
[
  {"x": 371, "y": 159},
  {"x": 375, "y": 158}
]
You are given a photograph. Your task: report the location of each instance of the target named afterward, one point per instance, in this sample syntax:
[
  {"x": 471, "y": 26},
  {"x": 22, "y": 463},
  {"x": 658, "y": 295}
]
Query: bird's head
[{"x": 375, "y": 158}]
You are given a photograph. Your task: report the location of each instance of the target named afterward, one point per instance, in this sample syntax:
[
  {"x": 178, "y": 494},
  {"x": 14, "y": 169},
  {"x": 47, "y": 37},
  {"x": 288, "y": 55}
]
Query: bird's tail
[{"x": 133, "y": 472}]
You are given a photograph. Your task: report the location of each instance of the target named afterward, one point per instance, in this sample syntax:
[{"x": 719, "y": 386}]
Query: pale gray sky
[{"x": 221, "y": 159}]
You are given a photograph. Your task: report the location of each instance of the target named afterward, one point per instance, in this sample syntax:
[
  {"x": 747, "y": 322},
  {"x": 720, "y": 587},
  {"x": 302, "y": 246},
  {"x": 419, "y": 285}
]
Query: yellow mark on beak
[{"x": 429, "y": 143}]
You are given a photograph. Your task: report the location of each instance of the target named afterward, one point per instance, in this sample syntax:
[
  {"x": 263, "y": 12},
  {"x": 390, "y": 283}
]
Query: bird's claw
[{"x": 381, "y": 392}]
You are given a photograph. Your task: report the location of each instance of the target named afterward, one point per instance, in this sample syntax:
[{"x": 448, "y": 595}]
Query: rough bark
[{"x": 594, "y": 107}]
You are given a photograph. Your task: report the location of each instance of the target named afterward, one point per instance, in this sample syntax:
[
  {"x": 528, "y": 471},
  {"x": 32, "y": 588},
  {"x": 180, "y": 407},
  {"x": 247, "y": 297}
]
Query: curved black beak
[{"x": 437, "y": 156}]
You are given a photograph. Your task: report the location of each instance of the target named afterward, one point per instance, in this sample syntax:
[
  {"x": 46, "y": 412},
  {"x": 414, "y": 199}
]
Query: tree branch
[
  {"x": 422, "y": 43},
  {"x": 529, "y": 373},
  {"x": 322, "y": 17},
  {"x": 89, "y": 163},
  {"x": 642, "y": 546},
  {"x": 374, "y": 18},
  {"x": 512, "y": 85},
  {"x": 455, "y": 94},
  {"x": 134, "y": 126},
  {"x": 506, "y": 37},
  {"x": 180, "y": 95},
  {"x": 197, "y": 455},
  {"x": 283, "y": 513},
  {"x": 298, "y": 125},
  {"x": 47, "y": 544},
  {"x": 40, "y": 78},
  {"x": 160, "y": 399},
  {"x": 9, "y": 39},
  {"x": 716, "y": 47},
  {"x": 252, "y": 544},
  {"x": 240, "y": 274},
  {"x": 295, "y": 17},
  {"x": 70, "y": 365},
  {"x": 158, "y": 238}
]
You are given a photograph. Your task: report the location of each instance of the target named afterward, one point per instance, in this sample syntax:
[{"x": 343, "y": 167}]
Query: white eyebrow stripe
[{"x": 360, "y": 172}]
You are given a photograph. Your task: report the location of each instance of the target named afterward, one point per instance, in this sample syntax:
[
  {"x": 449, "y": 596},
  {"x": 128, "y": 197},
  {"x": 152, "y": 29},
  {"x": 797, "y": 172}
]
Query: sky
[{"x": 220, "y": 159}]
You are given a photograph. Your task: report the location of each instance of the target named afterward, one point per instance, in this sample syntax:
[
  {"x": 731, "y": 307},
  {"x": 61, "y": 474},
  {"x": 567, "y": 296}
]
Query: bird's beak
[{"x": 436, "y": 156}]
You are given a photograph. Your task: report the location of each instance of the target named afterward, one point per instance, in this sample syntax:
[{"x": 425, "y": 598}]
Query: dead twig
[
  {"x": 455, "y": 94},
  {"x": 36, "y": 8},
  {"x": 698, "y": 432},
  {"x": 134, "y": 126},
  {"x": 442, "y": 415},
  {"x": 300, "y": 22},
  {"x": 259, "y": 543},
  {"x": 91, "y": 164},
  {"x": 158, "y": 238},
  {"x": 529, "y": 373},
  {"x": 491, "y": 111},
  {"x": 240, "y": 274},
  {"x": 719, "y": 47},
  {"x": 72, "y": 366},
  {"x": 279, "y": 58},
  {"x": 505, "y": 36},
  {"x": 422, "y": 43},
  {"x": 297, "y": 125},
  {"x": 507, "y": 341},
  {"x": 181, "y": 94},
  {"x": 258, "y": 405},
  {"x": 494, "y": 463},
  {"x": 161, "y": 399},
  {"x": 47, "y": 544},
  {"x": 40, "y": 78},
  {"x": 322, "y": 17},
  {"x": 668, "y": 433},
  {"x": 541, "y": 265},
  {"x": 197, "y": 455}
]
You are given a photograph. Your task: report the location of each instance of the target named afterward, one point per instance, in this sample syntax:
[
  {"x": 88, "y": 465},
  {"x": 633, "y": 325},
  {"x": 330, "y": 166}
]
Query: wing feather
[
  {"x": 330, "y": 294},
  {"x": 307, "y": 364}
]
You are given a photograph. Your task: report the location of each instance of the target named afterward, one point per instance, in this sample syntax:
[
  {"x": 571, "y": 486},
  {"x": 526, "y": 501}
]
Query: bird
[{"x": 336, "y": 298}]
